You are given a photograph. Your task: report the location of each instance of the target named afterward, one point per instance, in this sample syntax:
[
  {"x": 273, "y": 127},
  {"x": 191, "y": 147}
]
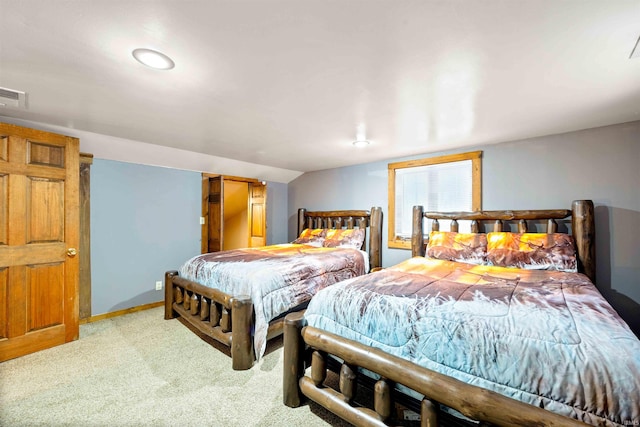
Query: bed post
[
  {"x": 302, "y": 212},
  {"x": 584, "y": 231},
  {"x": 241, "y": 342},
  {"x": 293, "y": 359},
  {"x": 168, "y": 294},
  {"x": 417, "y": 233},
  {"x": 375, "y": 237}
]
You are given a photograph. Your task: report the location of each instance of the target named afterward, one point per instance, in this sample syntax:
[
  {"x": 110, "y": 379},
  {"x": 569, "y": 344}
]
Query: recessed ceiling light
[
  {"x": 153, "y": 59},
  {"x": 360, "y": 143}
]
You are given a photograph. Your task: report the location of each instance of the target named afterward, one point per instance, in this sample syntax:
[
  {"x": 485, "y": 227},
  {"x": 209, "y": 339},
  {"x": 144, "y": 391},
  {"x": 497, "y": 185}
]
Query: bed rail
[{"x": 474, "y": 402}]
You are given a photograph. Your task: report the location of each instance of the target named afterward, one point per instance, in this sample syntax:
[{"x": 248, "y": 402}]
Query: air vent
[{"x": 12, "y": 98}]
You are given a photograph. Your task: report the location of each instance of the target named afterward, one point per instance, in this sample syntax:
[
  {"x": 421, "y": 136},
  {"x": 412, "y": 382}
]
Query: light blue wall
[
  {"x": 144, "y": 221},
  {"x": 601, "y": 164},
  {"x": 276, "y": 213}
]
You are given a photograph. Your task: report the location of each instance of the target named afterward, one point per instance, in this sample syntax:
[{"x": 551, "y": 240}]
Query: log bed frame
[
  {"x": 229, "y": 319},
  {"x": 305, "y": 346}
]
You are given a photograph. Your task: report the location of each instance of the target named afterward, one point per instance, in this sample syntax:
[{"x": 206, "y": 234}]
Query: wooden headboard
[
  {"x": 349, "y": 219},
  {"x": 582, "y": 227}
]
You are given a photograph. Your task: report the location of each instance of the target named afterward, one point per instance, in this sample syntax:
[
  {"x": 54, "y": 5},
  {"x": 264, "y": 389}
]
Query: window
[{"x": 445, "y": 183}]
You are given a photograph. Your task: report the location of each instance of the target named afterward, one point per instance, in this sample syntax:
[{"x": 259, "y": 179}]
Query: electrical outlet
[
  {"x": 410, "y": 415},
  {"x": 158, "y": 285}
]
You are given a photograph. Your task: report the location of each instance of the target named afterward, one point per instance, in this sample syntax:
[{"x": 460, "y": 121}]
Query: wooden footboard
[
  {"x": 306, "y": 346},
  {"x": 227, "y": 319}
]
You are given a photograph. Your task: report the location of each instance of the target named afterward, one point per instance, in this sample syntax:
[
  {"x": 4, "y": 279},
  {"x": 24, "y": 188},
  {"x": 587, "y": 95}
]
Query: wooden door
[
  {"x": 257, "y": 214},
  {"x": 39, "y": 234},
  {"x": 216, "y": 214}
]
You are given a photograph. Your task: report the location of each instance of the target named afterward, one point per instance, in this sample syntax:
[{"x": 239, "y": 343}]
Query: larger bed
[
  {"x": 239, "y": 297},
  {"x": 505, "y": 346}
]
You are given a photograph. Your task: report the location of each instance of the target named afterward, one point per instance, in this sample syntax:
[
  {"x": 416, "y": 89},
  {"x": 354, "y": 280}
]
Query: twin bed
[
  {"x": 239, "y": 297},
  {"x": 462, "y": 331}
]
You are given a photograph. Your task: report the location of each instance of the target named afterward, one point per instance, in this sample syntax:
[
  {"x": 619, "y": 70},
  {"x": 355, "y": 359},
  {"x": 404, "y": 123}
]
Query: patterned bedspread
[
  {"x": 546, "y": 338},
  {"x": 276, "y": 277}
]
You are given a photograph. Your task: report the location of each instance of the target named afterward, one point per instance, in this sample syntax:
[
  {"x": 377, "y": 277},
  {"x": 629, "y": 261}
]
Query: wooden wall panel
[
  {"x": 4, "y": 209},
  {"x": 4, "y": 297},
  {"x": 85, "y": 235},
  {"x": 45, "y": 210},
  {"x": 216, "y": 218},
  {"x": 45, "y": 154},
  {"x": 45, "y": 300}
]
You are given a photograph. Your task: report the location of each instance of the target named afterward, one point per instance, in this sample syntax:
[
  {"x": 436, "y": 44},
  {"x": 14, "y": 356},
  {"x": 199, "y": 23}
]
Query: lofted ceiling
[{"x": 290, "y": 83}]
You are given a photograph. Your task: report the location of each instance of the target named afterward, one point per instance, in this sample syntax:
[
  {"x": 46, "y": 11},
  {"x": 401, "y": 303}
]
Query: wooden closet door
[
  {"x": 257, "y": 214},
  {"x": 39, "y": 227}
]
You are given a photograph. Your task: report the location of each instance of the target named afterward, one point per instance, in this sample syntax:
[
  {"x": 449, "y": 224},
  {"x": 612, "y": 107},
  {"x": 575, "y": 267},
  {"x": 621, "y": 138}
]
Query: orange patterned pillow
[
  {"x": 533, "y": 251},
  {"x": 312, "y": 237},
  {"x": 350, "y": 238},
  {"x": 462, "y": 247}
]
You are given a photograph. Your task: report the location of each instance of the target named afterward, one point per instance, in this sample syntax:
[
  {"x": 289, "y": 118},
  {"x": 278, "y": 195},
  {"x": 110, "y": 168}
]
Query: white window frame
[{"x": 395, "y": 240}]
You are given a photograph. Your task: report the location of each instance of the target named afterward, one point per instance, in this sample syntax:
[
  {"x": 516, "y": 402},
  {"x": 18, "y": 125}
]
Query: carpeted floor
[{"x": 131, "y": 371}]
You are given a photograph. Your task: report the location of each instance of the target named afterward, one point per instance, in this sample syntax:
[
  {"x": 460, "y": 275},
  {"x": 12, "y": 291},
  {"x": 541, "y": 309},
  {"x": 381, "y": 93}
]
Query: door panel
[
  {"x": 4, "y": 146},
  {"x": 45, "y": 284},
  {"x": 39, "y": 178},
  {"x": 45, "y": 210},
  {"x": 4, "y": 296},
  {"x": 44, "y": 154},
  {"x": 257, "y": 214},
  {"x": 4, "y": 209}
]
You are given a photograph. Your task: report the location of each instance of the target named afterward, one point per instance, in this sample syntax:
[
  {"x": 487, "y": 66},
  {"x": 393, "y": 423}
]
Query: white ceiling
[{"x": 286, "y": 83}]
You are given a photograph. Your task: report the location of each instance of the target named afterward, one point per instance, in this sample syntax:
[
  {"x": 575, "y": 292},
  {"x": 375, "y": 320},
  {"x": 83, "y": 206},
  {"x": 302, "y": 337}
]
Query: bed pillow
[
  {"x": 462, "y": 247},
  {"x": 533, "y": 251},
  {"x": 345, "y": 237},
  {"x": 311, "y": 236}
]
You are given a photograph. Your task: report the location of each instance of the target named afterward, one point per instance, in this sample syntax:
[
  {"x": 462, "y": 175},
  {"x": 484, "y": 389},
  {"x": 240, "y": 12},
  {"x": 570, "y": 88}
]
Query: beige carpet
[{"x": 131, "y": 371}]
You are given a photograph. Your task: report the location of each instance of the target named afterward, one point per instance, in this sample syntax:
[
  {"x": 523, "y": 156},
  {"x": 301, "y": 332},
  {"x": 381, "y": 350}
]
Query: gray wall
[
  {"x": 144, "y": 221},
  {"x": 276, "y": 213},
  {"x": 601, "y": 164}
]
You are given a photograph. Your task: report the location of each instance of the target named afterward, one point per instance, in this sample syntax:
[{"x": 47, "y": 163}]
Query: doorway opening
[{"x": 234, "y": 213}]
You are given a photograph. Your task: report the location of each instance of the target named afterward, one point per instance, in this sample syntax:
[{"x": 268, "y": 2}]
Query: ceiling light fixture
[
  {"x": 154, "y": 59},
  {"x": 360, "y": 143},
  {"x": 361, "y": 139}
]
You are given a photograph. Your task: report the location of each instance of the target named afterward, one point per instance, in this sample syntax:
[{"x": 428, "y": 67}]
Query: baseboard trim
[{"x": 121, "y": 312}]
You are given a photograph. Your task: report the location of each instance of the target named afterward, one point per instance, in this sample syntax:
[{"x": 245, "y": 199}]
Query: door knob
[{"x": 71, "y": 252}]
